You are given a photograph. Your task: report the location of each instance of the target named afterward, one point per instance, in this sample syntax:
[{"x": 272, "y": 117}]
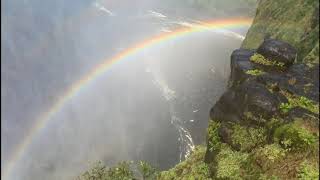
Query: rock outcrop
[
  {"x": 278, "y": 51},
  {"x": 267, "y": 92}
]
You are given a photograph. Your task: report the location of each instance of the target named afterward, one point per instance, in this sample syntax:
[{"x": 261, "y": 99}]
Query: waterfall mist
[{"x": 153, "y": 106}]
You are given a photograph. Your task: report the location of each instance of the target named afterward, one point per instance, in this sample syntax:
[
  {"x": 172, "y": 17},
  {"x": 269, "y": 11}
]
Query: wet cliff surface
[
  {"x": 265, "y": 126},
  {"x": 268, "y": 118},
  {"x": 293, "y": 21}
]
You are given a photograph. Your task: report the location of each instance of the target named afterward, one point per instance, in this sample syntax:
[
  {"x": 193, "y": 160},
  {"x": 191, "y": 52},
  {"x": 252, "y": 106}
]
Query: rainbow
[{"x": 107, "y": 64}]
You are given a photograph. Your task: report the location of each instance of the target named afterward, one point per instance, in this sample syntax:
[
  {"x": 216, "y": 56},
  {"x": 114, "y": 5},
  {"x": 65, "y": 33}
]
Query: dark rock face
[
  {"x": 239, "y": 65},
  {"x": 279, "y": 51},
  {"x": 252, "y": 100}
]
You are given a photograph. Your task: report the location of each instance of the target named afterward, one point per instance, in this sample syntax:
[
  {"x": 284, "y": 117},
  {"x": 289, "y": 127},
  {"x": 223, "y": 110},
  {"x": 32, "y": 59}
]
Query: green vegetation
[
  {"x": 229, "y": 163},
  {"x": 260, "y": 59},
  {"x": 308, "y": 171},
  {"x": 298, "y": 101},
  {"x": 192, "y": 168},
  {"x": 148, "y": 172},
  {"x": 313, "y": 56},
  {"x": 99, "y": 171},
  {"x": 213, "y": 136},
  {"x": 285, "y": 107},
  {"x": 248, "y": 138},
  {"x": 254, "y": 72},
  {"x": 271, "y": 152},
  {"x": 294, "y": 136},
  {"x": 293, "y": 21}
]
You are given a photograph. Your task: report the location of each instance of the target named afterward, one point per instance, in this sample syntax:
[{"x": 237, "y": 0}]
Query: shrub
[
  {"x": 99, "y": 171},
  {"x": 229, "y": 163},
  {"x": 294, "y": 137},
  {"x": 285, "y": 107},
  {"x": 214, "y": 141},
  {"x": 248, "y": 138},
  {"x": 192, "y": 168},
  {"x": 272, "y": 152},
  {"x": 298, "y": 101},
  {"x": 147, "y": 171},
  {"x": 308, "y": 172},
  {"x": 121, "y": 171}
]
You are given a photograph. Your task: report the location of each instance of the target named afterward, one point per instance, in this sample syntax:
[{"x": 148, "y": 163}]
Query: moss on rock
[
  {"x": 254, "y": 72},
  {"x": 298, "y": 101},
  {"x": 260, "y": 59}
]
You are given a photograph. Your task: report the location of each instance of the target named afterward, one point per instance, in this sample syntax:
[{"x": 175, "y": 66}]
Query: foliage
[
  {"x": 122, "y": 171},
  {"x": 274, "y": 122},
  {"x": 192, "y": 168},
  {"x": 305, "y": 103},
  {"x": 294, "y": 137},
  {"x": 214, "y": 141},
  {"x": 308, "y": 172},
  {"x": 99, "y": 171},
  {"x": 285, "y": 107},
  {"x": 254, "y": 72},
  {"x": 260, "y": 59},
  {"x": 147, "y": 171},
  {"x": 298, "y": 101},
  {"x": 313, "y": 56},
  {"x": 248, "y": 138},
  {"x": 229, "y": 163},
  {"x": 271, "y": 152}
]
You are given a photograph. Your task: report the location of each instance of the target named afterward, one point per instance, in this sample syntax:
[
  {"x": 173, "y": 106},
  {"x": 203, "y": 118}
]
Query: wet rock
[
  {"x": 240, "y": 64},
  {"x": 278, "y": 51},
  {"x": 225, "y": 109},
  {"x": 255, "y": 99},
  {"x": 299, "y": 112},
  {"x": 225, "y": 133}
]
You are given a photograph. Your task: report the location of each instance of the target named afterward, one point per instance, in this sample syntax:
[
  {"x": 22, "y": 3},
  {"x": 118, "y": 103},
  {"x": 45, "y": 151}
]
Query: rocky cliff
[
  {"x": 268, "y": 119},
  {"x": 266, "y": 125}
]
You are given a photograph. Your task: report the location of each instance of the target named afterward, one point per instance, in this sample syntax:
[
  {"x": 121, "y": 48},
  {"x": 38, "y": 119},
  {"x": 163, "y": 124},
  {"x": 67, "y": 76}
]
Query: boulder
[{"x": 279, "y": 51}]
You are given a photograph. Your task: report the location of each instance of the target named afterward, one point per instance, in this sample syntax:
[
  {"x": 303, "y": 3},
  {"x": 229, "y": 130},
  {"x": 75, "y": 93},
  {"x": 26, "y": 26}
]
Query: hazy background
[{"x": 152, "y": 107}]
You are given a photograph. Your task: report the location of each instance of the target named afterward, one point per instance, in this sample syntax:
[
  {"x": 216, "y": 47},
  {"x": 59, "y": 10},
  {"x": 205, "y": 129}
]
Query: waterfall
[{"x": 185, "y": 138}]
